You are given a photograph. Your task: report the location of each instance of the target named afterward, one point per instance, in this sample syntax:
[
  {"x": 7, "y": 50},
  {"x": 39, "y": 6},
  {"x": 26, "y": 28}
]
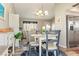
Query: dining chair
[
  {"x": 33, "y": 44},
  {"x": 53, "y": 51}
]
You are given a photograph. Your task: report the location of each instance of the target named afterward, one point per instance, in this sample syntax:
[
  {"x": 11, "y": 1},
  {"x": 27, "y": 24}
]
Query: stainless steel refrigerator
[{"x": 72, "y": 31}]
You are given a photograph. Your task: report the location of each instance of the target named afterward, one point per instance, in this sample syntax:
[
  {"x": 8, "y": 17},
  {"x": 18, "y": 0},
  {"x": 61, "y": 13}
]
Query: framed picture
[{"x": 1, "y": 10}]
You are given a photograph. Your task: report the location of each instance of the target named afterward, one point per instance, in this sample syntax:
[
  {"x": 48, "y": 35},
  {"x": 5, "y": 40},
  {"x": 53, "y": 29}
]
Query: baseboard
[{"x": 62, "y": 46}]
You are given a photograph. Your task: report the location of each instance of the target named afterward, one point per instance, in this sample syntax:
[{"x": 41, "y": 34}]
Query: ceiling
[{"x": 28, "y": 10}]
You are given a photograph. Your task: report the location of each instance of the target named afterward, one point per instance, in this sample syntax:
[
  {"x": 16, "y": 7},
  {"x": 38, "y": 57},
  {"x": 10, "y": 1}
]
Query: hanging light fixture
[{"x": 42, "y": 12}]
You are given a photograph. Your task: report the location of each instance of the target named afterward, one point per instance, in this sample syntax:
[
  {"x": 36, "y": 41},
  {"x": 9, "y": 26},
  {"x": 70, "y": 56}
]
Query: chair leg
[{"x": 56, "y": 52}]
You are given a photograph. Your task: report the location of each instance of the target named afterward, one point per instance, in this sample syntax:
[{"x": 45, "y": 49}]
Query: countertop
[{"x": 70, "y": 51}]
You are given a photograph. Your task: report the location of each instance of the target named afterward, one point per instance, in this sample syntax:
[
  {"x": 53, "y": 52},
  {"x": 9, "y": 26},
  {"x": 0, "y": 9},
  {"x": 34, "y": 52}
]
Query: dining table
[{"x": 42, "y": 37}]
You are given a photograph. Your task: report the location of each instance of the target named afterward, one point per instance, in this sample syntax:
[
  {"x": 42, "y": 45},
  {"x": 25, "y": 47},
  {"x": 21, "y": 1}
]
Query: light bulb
[
  {"x": 46, "y": 12},
  {"x": 40, "y": 11},
  {"x": 42, "y": 14},
  {"x": 37, "y": 13}
]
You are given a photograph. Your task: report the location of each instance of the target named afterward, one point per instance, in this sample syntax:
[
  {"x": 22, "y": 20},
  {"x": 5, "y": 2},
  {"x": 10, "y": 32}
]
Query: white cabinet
[
  {"x": 5, "y": 38},
  {"x": 14, "y": 22}
]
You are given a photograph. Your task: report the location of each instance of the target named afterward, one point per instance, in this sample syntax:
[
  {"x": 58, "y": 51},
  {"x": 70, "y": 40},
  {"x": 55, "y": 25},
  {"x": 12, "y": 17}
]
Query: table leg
[{"x": 39, "y": 47}]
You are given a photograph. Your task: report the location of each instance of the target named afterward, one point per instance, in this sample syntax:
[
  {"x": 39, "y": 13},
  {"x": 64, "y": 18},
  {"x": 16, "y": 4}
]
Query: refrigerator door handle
[{"x": 71, "y": 28}]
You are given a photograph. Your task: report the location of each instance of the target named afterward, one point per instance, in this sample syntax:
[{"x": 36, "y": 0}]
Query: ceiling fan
[{"x": 75, "y": 8}]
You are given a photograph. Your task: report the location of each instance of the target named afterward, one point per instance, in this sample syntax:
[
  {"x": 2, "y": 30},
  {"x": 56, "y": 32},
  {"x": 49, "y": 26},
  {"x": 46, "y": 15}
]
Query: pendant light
[{"x": 41, "y": 11}]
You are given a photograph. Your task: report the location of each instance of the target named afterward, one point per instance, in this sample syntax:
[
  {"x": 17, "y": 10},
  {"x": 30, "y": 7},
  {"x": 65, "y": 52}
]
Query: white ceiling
[{"x": 28, "y": 10}]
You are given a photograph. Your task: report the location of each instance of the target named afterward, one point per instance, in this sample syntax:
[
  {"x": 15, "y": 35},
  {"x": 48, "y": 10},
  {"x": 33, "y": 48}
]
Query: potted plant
[{"x": 18, "y": 37}]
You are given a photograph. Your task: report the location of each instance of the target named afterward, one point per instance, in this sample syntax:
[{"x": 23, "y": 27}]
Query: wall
[
  {"x": 60, "y": 21},
  {"x": 24, "y": 19},
  {"x": 41, "y": 22}
]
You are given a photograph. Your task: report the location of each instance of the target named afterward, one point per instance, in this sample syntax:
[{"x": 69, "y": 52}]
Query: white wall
[{"x": 60, "y": 21}]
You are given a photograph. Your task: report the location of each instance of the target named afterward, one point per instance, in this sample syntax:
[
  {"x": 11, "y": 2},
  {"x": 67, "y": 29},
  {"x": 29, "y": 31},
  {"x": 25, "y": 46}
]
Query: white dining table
[{"x": 42, "y": 37}]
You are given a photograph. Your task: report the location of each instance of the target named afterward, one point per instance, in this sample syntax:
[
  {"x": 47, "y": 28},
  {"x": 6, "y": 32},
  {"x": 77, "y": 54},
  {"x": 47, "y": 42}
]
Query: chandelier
[{"x": 42, "y": 12}]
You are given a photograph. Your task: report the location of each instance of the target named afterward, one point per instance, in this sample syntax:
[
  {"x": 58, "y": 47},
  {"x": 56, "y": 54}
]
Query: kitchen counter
[
  {"x": 5, "y": 30},
  {"x": 70, "y": 51}
]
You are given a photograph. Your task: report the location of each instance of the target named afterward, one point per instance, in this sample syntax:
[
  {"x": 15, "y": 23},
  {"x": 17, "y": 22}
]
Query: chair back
[{"x": 55, "y": 33}]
